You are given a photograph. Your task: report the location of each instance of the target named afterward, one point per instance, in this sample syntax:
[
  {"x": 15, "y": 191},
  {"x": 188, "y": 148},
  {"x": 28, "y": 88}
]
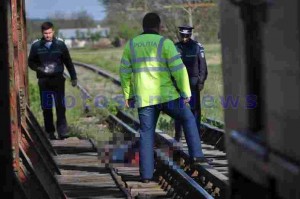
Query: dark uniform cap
[{"x": 185, "y": 30}]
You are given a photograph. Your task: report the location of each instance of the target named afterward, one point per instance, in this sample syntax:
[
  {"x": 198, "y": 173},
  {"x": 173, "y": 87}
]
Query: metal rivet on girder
[
  {"x": 186, "y": 193},
  {"x": 216, "y": 192},
  {"x": 160, "y": 178},
  {"x": 162, "y": 181},
  {"x": 209, "y": 186},
  {"x": 168, "y": 188},
  {"x": 171, "y": 191}
]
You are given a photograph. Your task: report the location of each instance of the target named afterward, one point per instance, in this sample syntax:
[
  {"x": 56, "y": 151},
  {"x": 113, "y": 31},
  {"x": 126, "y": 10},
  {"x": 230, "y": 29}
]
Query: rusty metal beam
[
  {"x": 29, "y": 180},
  {"x": 40, "y": 167},
  {"x": 33, "y": 123},
  {"x": 24, "y": 170},
  {"x": 40, "y": 144},
  {"x": 14, "y": 82},
  {"x": 6, "y": 155}
]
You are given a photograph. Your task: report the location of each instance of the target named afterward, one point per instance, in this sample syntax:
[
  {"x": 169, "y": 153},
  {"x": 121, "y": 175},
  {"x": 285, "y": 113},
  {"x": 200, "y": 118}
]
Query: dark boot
[
  {"x": 52, "y": 136},
  {"x": 63, "y": 136},
  {"x": 145, "y": 181},
  {"x": 62, "y": 130}
]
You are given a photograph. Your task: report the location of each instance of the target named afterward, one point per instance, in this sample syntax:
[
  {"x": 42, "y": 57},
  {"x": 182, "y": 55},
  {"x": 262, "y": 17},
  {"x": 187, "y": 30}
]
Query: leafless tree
[{"x": 173, "y": 13}]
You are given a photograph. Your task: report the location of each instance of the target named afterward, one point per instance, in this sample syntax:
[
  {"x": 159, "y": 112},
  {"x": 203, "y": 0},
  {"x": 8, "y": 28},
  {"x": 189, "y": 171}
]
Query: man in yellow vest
[{"x": 148, "y": 65}]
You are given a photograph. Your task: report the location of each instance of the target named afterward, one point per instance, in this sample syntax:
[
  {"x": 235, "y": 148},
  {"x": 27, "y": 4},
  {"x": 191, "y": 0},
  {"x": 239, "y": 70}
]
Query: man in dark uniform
[
  {"x": 47, "y": 57},
  {"x": 193, "y": 57}
]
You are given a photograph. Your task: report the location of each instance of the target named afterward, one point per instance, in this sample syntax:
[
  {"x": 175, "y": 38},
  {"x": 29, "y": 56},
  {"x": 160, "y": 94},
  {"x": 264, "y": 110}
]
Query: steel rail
[
  {"x": 193, "y": 189},
  {"x": 208, "y": 129},
  {"x": 206, "y": 174}
]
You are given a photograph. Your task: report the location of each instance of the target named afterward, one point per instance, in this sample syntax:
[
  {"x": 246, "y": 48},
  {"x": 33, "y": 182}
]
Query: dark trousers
[
  {"x": 148, "y": 118},
  {"x": 195, "y": 105},
  {"x": 53, "y": 89}
]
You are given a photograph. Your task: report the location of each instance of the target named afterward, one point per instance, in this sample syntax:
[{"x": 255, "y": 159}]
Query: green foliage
[
  {"x": 166, "y": 124},
  {"x": 113, "y": 107},
  {"x": 95, "y": 36},
  {"x": 109, "y": 59},
  {"x": 172, "y": 12},
  {"x": 80, "y": 123},
  {"x": 34, "y": 98},
  {"x": 207, "y": 24},
  {"x": 104, "y": 2},
  {"x": 116, "y": 42},
  {"x": 80, "y": 35},
  {"x": 34, "y": 93},
  {"x": 80, "y": 19},
  {"x": 126, "y": 31}
]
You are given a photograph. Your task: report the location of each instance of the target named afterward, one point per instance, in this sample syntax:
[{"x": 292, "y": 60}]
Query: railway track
[
  {"x": 127, "y": 176},
  {"x": 204, "y": 180}
]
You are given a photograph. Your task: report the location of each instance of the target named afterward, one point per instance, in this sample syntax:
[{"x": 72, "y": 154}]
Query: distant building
[{"x": 80, "y": 37}]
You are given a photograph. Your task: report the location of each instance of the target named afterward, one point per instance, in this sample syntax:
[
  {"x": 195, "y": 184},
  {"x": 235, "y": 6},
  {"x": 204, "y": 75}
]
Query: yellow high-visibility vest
[{"x": 148, "y": 62}]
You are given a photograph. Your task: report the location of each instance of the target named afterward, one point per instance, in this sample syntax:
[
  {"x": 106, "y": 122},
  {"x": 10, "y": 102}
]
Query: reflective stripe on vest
[
  {"x": 152, "y": 69},
  {"x": 125, "y": 62},
  {"x": 158, "y": 57}
]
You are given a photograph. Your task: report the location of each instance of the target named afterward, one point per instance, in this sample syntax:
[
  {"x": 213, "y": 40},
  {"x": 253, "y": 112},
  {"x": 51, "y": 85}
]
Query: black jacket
[
  {"x": 193, "y": 57},
  {"x": 50, "y": 62}
]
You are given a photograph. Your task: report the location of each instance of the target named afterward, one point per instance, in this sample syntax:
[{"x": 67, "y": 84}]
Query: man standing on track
[
  {"x": 47, "y": 57},
  {"x": 193, "y": 57},
  {"x": 148, "y": 65}
]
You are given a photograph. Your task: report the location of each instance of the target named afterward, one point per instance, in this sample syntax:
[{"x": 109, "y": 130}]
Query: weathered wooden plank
[
  {"x": 221, "y": 163},
  {"x": 213, "y": 152},
  {"x": 150, "y": 193},
  {"x": 222, "y": 169},
  {"x": 81, "y": 159},
  {"x": 72, "y": 145},
  {"x": 80, "y": 162},
  {"x": 77, "y": 172},
  {"x": 83, "y": 175},
  {"x": 138, "y": 185},
  {"x": 103, "y": 178}
]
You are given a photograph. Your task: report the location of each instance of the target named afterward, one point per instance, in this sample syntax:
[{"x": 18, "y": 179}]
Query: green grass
[
  {"x": 94, "y": 126},
  {"x": 109, "y": 59},
  {"x": 213, "y": 89},
  {"x": 79, "y": 124},
  {"x": 34, "y": 97}
]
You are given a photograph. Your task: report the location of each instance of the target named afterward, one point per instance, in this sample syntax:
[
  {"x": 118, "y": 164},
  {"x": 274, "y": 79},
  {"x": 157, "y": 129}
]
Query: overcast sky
[{"x": 43, "y": 8}]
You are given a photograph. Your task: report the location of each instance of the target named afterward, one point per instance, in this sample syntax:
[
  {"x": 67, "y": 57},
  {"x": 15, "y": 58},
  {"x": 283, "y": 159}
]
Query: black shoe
[
  {"x": 145, "y": 180},
  {"x": 62, "y": 137},
  {"x": 52, "y": 136}
]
